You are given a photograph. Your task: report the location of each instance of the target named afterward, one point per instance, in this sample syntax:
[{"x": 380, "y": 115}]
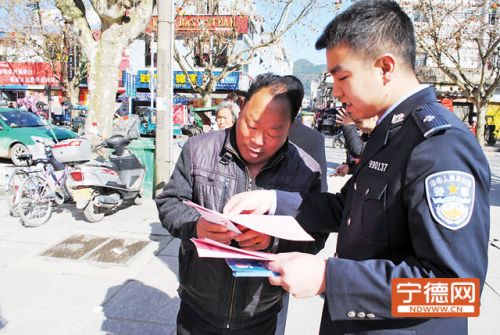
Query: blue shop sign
[{"x": 180, "y": 81}]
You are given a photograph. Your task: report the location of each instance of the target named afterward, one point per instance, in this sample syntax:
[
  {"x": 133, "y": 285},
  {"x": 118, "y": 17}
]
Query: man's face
[
  {"x": 262, "y": 127},
  {"x": 224, "y": 118},
  {"x": 358, "y": 82}
]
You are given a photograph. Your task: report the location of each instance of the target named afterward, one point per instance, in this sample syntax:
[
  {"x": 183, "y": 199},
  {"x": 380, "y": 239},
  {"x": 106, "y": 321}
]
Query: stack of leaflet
[
  {"x": 243, "y": 263},
  {"x": 246, "y": 263}
]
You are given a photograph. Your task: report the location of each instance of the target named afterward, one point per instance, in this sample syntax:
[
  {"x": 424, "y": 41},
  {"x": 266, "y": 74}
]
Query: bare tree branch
[{"x": 225, "y": 45}]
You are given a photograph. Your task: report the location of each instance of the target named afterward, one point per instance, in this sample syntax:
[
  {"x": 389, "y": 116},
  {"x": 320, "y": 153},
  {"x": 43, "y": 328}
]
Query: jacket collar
[{"x": 392, "y": 123}]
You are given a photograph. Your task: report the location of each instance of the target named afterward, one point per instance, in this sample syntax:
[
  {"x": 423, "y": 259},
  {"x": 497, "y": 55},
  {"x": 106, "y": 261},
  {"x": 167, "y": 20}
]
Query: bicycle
[
  {"x": 39, "y": 192},
  {"x": 15, "y": 177}
]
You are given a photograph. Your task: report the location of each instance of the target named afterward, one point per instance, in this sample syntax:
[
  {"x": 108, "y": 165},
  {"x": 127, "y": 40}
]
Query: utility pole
[
  {"x": 163, "y": 157},
  {"x": 152, "y": 70}
]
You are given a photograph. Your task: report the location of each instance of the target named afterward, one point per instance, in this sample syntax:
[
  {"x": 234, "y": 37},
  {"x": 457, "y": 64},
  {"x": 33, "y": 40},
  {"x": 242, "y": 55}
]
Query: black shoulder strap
[
  {"x": 226, "y": 158},
  {"x": 429, "y": 120}
]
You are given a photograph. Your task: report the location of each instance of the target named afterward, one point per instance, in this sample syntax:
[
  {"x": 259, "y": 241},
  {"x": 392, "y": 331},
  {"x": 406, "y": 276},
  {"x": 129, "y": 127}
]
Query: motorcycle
[{"x": 100, "y": 187}]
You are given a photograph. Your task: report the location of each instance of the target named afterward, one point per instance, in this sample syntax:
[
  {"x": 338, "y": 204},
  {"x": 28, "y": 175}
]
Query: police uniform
[{"x": 417, "y": 206}]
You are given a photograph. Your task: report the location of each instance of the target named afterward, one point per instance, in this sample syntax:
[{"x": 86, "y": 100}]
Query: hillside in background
[{"x": 306, "y": 72}]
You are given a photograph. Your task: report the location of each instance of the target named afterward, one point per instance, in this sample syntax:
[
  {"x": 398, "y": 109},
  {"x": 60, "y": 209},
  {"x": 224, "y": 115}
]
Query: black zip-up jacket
[{"x": 209, "y": 171}]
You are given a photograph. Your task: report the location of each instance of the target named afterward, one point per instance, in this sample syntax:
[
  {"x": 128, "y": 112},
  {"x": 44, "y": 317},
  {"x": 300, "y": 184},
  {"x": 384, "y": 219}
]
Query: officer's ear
[{"x": 387, "y": 64}]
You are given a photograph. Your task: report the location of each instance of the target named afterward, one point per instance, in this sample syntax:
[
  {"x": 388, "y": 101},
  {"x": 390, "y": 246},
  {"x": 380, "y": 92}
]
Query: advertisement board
[
  {"x": 181, "y": 81},
  {"x": 179, "y": 114},
  {"x": 24, "y": 73}
]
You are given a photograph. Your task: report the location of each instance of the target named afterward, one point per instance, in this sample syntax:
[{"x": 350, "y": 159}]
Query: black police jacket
[
  {"x": 208, "y": 172},
  {"x": 391, "y": 222}
]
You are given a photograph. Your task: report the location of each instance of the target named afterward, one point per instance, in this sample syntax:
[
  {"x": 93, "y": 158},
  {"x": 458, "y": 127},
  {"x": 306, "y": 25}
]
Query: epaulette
[{"x": 429, "y": 120}]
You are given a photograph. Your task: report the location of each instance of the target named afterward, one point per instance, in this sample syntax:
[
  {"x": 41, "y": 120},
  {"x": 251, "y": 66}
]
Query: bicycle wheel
[
  {"x": 34, "y": 203},
  {"x": 13, "y": 185}
]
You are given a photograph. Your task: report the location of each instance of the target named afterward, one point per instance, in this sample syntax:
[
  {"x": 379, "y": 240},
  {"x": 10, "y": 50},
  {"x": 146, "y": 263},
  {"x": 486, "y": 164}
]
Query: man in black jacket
[
  {"x": 254, "y": 154},
  {"x": 416, "y": 208}
]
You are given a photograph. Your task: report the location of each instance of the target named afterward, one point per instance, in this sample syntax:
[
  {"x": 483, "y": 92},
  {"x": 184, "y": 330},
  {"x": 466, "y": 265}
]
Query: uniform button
[
  {"x": 348, "y": 222},
  {"x": 361, "y": 314},
  {"x": 367, "y": 191},
  {"x": 355, "y": 186},
  {"x": 351, "y": 314},
  {"x": 370, "y": 316}
]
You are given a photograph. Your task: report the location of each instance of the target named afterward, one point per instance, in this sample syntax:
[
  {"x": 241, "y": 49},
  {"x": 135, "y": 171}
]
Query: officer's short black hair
[
  {"x": 372, "y": 27},
  {"x": 287, "y": 87}
]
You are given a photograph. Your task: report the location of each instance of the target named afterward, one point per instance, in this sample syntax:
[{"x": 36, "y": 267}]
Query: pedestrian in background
[
  {"x": 355, "y": 133},
  {"x": 417, "y": 205},
  {"x": 226, "y": 114},
  {"x": 253, "y": 154}
]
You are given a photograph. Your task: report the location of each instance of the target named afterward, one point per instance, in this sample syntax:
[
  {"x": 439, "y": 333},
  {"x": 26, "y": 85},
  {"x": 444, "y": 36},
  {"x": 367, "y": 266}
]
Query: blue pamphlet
[{"x": 249, "y": 268}]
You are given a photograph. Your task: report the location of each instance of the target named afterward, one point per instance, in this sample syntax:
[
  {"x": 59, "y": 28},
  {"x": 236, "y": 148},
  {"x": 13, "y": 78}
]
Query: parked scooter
[{"x": 102, "y": 186}]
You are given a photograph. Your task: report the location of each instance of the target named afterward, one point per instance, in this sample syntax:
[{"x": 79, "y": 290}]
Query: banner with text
[
  {"x": 181, "y": 82},
  {"x": 23, "y": 73}
]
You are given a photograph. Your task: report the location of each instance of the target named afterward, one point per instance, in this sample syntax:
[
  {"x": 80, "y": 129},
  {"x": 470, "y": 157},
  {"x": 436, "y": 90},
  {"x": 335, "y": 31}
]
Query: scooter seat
[{"x": 117, "y": 141}]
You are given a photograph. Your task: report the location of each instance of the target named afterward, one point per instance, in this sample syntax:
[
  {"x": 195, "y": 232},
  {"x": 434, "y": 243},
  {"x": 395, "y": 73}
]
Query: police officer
[{"x": 417, "y": 205}]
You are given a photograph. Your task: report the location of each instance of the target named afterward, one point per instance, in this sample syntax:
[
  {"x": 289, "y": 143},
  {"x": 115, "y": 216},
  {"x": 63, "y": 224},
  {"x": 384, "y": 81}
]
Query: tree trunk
[
  {"x": 103, "y": 85},
  {"x": 207, "y": 100},
  {"x": 73, "y": 93},
  {"x": 481, "y": 122}
]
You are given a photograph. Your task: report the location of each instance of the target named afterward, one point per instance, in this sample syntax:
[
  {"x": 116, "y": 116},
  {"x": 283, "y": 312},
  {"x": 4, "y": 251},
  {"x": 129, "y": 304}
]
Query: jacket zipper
[
  {"x": 231, "y": 304},
  {"x": 250, "y": 182}
]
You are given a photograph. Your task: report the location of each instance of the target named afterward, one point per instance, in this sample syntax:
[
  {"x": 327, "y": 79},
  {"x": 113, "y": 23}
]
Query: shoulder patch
[
  {"x": 450, "y": 196},
  {"x": 429, "y": 120}
]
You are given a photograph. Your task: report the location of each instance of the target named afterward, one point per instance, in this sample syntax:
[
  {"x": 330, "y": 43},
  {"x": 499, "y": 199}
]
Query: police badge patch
[{"x": 450, "y": 195}]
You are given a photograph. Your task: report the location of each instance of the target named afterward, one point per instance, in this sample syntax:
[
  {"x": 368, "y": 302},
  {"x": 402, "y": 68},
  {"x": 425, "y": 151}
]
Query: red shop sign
[{"x": 21, "y": 73}]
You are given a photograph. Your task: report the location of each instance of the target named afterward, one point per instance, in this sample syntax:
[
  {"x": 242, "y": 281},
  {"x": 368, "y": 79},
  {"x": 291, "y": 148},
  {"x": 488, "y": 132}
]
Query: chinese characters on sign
[
  {"x": 130, "y": 88},
  {"x": 435, "y": 297},
  {"x": 17, "y": 73},
  {"x": 181, "y": 81}
]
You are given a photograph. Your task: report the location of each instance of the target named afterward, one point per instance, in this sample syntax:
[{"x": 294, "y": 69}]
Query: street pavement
[{"x": 119, "y": 276}]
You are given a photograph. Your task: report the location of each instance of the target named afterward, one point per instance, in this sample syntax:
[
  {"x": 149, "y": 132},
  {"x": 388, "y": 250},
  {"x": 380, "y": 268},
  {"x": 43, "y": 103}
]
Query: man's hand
[
  {"x": 252, "y": 240},
  {"x": 302, "y": 275},
  {"x": 341, "y": 170},
  {"x": 252, "y": 202},
  {"x": 213, "y": 231},
  {"x": 343, "y": 118}
]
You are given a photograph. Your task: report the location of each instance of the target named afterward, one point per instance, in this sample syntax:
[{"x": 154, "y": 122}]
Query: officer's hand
[
  {"x": 213, "y": 231},
  {"x": 252, "y": 202},
  {"x": 302, "y": 275},
  {"x": 252, "y": 240}
]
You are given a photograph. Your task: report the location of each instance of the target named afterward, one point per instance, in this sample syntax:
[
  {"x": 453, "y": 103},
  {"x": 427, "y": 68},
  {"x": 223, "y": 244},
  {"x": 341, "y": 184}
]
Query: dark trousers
[{"x": 189, "y": 323}]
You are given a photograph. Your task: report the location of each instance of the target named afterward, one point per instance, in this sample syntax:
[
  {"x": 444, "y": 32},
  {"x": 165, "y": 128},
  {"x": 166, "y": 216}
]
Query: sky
[{"x": 300, "y": 42}]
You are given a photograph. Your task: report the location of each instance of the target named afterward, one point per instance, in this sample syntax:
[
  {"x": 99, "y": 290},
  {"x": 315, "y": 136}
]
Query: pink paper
[
  {"x": 210, "y": 248},
  {"x": 285, "y": 227},
  {"x": 213, "y": 216}
]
